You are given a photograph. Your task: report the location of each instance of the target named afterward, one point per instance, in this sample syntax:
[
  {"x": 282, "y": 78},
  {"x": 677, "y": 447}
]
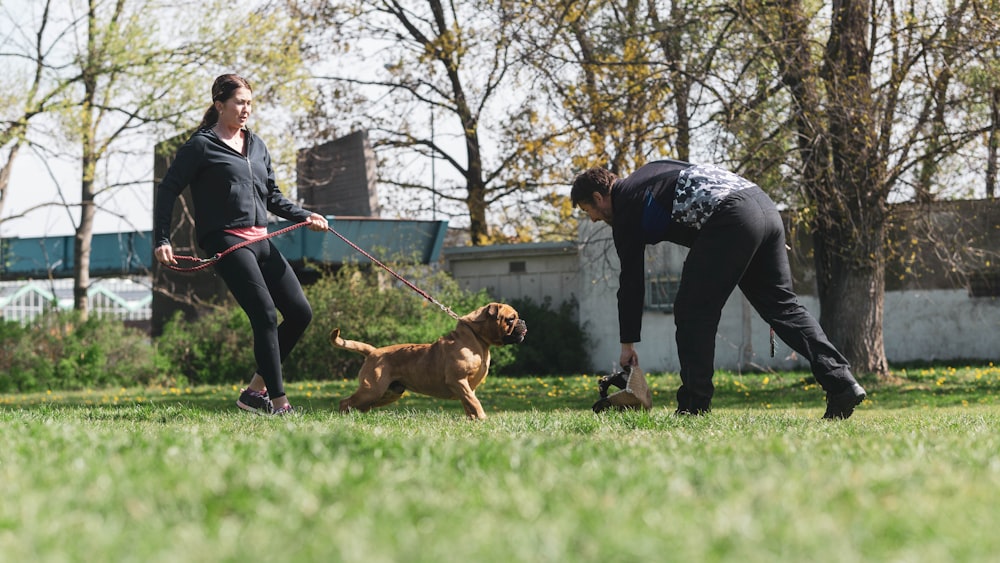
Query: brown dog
[{"x": 450, "y": 368}]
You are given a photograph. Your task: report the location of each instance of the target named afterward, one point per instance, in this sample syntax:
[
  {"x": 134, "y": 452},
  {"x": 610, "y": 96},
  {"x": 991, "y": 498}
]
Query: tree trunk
[
  {"x": 993, "y": 144},
  {"x": 84, "y": 237},
  {"x": 85, "y": 230},
  {"x": 851, "y": 223},
  {"x": 5, "y": 174},
  {"x": 851, "y": 296},
  {"x": 476, "y": 202}
]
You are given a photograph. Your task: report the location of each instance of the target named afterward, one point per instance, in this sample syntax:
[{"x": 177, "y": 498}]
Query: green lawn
[{"x": 182, "y": 475}]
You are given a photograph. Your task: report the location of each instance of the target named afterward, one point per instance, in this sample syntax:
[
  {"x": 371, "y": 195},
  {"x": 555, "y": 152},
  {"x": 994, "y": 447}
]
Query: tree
[
  {"x": 24, "y": 104},
  {"x": 873, "y": 112},
  {"x": 121, "y": 70},
  {"x": 435, "y": 83}
]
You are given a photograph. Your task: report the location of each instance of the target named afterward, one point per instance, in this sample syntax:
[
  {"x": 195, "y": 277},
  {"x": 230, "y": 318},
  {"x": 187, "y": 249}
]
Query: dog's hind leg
[
  {"x": 372, "y": 389},
  {"x": 390, "y": 396}
]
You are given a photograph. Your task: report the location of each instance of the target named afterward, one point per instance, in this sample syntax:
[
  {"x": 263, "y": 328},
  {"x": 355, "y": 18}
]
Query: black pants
[
  {"x": 263, "y": 284},
  {"x": 743, "y": 244}
]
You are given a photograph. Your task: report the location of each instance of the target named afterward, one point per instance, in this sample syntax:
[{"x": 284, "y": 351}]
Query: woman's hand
[
  {"x": 164, "y": 254},
  {"x": 317, "y": 222}
]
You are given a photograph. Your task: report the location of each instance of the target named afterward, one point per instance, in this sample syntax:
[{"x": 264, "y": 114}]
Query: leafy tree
[
  {"x": 835, "y": 110},
  {"x": 873, "y": 112},
  {"x": 109, "y": 73},
  {"x": 22, "y": 104},
  {"x": 437, "y": 86}
]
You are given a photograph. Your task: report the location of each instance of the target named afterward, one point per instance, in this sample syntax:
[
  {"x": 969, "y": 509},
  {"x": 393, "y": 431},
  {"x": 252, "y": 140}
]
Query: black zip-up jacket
[
  {"x": 629, "y": 202},
  {"x": 229, "y": 190}
]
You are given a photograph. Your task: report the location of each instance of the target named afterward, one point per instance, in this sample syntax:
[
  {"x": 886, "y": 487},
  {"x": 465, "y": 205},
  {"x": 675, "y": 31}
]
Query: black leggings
[
  {"x": 263, "y": 284},
  {"x": 743, "y": 245}
]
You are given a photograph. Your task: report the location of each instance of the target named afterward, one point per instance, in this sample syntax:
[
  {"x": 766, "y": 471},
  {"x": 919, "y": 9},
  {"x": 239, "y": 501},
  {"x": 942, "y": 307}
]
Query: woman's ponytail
[{"x": 210, "y": 118}]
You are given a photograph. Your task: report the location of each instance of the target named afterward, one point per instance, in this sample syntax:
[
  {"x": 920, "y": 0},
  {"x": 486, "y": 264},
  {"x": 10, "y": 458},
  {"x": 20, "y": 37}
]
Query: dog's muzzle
[{"x": 517, "y": 335}]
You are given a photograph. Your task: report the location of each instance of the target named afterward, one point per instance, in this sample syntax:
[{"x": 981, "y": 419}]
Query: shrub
[
  {"x": 216, "y": 348},
  {"x": 373, "y": 307},
  {"x": 59, "y": 351},
  {"x": 555, "y": 345}
]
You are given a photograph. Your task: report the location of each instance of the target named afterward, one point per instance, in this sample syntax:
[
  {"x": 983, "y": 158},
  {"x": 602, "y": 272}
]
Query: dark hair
[
  {"x": 222, "y": 90},
  {"x": 597, "y": 180}
]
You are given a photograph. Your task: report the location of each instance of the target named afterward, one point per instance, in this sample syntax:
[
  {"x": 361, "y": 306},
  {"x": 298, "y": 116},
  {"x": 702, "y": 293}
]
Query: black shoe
[
  {"x": 689, "y": 404},
  {"x": 841, "y": 405},
  {"x": 255, "y": 402}
]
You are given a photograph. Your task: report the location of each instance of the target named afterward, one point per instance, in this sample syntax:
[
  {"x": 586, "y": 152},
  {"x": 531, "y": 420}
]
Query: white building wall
[
  {"x": 918, "y": 325},
  {"x": 549, "y": 270},
  {"x": 941, "y": 325}
]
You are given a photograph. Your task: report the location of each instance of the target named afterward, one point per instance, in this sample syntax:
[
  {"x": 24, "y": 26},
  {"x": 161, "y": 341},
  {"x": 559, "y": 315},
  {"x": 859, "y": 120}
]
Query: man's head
[{"x": 591, "y": 192}]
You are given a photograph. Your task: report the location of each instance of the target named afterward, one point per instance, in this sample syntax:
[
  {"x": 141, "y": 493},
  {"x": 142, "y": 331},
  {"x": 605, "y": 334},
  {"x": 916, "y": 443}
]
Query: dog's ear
[{"x": 494, "y": 310}]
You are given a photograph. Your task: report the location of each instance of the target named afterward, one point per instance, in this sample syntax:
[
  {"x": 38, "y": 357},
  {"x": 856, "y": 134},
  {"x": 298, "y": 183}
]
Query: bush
[
  {"x": 373, "y": 307},
  {"x": 370, "y": 306},
  {"x": 216, "y": 348},
  {"x": 555, "y": 345},
  {"x": 58, "y": 351}
]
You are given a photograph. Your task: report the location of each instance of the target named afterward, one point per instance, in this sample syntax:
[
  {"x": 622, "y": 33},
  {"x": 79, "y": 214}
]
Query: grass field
[{"x": 182, "y": 475}]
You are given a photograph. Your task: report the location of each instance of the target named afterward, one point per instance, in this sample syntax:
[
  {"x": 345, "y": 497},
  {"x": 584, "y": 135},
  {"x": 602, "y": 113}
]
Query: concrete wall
[
  {"x": 941, "y": 324},
  {"x": 535, "y": 271},
  {"x": 919, "y": 325}
]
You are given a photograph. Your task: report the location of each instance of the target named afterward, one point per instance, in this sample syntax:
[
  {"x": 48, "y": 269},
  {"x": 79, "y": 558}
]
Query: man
[{"x": 736, "y": 238}]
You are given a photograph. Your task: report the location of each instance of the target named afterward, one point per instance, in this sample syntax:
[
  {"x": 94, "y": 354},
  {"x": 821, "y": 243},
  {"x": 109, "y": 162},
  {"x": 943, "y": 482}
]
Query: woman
[{"x": 232, "y": 186}]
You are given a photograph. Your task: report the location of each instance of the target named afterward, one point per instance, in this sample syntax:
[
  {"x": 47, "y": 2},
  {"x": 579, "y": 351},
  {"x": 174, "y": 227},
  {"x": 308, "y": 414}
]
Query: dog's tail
[{"x": 352, "y": 345}]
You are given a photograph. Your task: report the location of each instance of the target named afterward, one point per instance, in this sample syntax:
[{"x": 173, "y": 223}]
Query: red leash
[
  {"x": 206, "y": 262},
  {"x": 422, "y": 293}
]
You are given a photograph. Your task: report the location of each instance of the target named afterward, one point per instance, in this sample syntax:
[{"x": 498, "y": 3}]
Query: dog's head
[{"x": 498, "y": 323}]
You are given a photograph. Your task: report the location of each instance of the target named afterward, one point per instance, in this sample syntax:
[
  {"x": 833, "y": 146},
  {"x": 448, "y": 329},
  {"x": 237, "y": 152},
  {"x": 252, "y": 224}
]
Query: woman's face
[{"x": 234, "y": 112}]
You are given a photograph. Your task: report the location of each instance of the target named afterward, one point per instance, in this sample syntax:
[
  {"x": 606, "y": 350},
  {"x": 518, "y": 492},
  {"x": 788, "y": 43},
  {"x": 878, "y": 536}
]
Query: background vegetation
[{"x": 60, "y": 351}]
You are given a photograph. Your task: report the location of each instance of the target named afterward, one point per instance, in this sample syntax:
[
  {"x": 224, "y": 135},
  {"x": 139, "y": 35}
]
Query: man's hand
[{"x": 629, "y": 356}]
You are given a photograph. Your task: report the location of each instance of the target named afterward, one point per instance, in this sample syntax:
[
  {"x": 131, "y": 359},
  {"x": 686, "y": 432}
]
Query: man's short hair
[{"x": 597, "y": 180}]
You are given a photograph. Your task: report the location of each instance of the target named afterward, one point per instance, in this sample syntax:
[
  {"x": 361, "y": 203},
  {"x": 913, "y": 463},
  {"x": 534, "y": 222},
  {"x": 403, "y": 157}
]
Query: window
[
  {"x": 661, "y": 291},
  {"x": 518, "y": 267}
]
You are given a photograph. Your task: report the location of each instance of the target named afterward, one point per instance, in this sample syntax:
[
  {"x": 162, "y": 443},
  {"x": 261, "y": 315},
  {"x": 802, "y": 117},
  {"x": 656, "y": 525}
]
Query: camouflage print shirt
[{"x": 699, "y": 191}]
